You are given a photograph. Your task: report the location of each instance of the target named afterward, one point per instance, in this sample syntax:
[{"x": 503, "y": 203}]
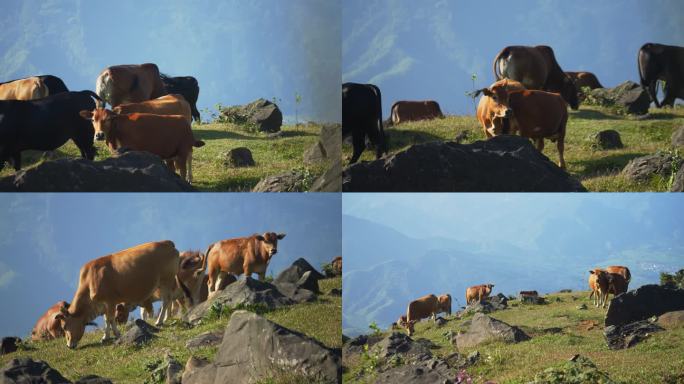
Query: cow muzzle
[{"x": 99, "y": 136}]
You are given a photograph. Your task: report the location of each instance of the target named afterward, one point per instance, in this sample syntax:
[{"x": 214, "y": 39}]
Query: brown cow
[
  {"x": 337, "y": 266},
  {"x": 538, "y": 115},
  {"x": 403, "y": 111},
  {"x": 169, "y": 137},
  {"x": 421, "y": 308},
  {"x": 492, "y": 125},
  {"x": 30, "y": 88},
  {"x": 48, "y": 327},
  {"x": 129, "y": 84},
  {"x": 444, "y": 303},
  {"x": 616, "y": 285},
  {"x": 477, "y": 293},
  {"x": 240, "y": 255},
  {"x": 536, "y": 68},
  {"x": 129, "y": 276},
  {"x": 584, "y": 79},
  {"x": 165, "y": 105},
  {"x": 624, "y": 271}
]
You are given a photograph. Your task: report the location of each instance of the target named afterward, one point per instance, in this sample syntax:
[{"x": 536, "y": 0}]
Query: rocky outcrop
[
  {"x": 678, "y": 183},
  {"x": 644, "y": 167},
  {"x": 272, "y": 349},
  {"x": 299, "y": 281},
  {"x": 629, "y": 96},
  {"x": 628, "y": 335},
  {"x": 678, "y": 137},
  {"x": 330, "y": 180},
  {"x": 328, "y": 146},
  {"x": 130, "y": 172},
  {"x": 140, "y": 333},
  {"x": 484, "y": 329},
  {"x": 291, "y": 181},
  {"x": 207, "y": 339},
  {"x": 642, "y": 303},
  {"x": 431, "y": 371},
  {"x": 260, "y": 115},
  {"x": 27, "y": 370},
  {"x": 238, "y": 157},
  {"x": 501, "y": 164},
  {"x": 245, "y": 291}
]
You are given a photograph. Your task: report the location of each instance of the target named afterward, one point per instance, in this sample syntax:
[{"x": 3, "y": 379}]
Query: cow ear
[
  {"x": 281, "y": 236},
  {"x": 591, "y": 272},
  {"x": 487, "y": 92},
  {"x": 88, "y": 115},
  {"x": 259, "y": 237}
]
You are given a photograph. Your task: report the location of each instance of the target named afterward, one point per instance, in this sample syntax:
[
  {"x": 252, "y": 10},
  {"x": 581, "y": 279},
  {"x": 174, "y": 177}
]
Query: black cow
[
  {"x": 46, "y": 124},
  {"x": 361, "y": 117},
  {"x": 186, "y": 86},
  {"x": 55, "y": 84},
  {"x": 662, "y": 62}
]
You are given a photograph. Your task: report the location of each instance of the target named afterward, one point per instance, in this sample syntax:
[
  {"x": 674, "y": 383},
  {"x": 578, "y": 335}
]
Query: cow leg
[
  {"x": 163, "y": 312},
  {"x": 180, "y": 162},
  {"x": 189, "y": 162},
  {"x": 219, "y": 281},
  {"x": 359, "y": 144},
  {"x": 560, "y": 144},
  {"x": 540, "y": 144},
  {"x": 171, "y": 165}
]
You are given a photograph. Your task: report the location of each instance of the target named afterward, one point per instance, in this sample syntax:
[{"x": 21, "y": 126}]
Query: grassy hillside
[
  {"x": 598, "y": 170},
  {"x": 648, "y": 362},
  {"x": 320, "y": 319},
  {"x": 271, "y": 155}
]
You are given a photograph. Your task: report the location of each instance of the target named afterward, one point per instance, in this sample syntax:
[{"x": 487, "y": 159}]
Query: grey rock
[
  {"x": 428, "y": 372},
  {"x": 398, "y": 343},
  {"x": 245, "y": 291},
  {"x": 501, "y": 164},
  {"x": 206, "y": 339},
  {"x": 296, "y": 294},
  {"x": 291, "y": 181},
  {"x": 140, "y": 333},
  {"x": 608, "y": 139},
  {"x": 330, "y": 181},
  {"x": 669, "y": 320},
  {"x": 628, "y": 335},
  {"x": 328, "y": 146},
  {"x": 642, "y": 303},
  {"x": 198, "y": 371},
  {"x": 238, "y": 157},
  {"x": 498, "y": 302},
  {"x": 484, "y": 329},
  {"x": 628, "y": 95},
  {"x": 643, "y": 168},
  {"x": 582, "y": 307},
  {"x": 261, "y": 114},
  {"x": 132, "y": 171},
  {"x": 296, "y": 271},
  {"x": 678, "y": 137},
  {"x": 678, "y": 184},
  {"x": 174, "y": 370},
  {"x": 26, "y": 370}
]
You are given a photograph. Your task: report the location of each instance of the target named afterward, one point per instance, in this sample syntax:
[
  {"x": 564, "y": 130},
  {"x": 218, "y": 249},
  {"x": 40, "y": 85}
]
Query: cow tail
[
  {"x": 641, "y": 70},
  {"x": 103, "y": 89},
  {"x": 381, "y": 131},
  {"x": 206, "y": 257},
  {"x": 497, "y": 74},
  {"x": 186, "y": 291}
]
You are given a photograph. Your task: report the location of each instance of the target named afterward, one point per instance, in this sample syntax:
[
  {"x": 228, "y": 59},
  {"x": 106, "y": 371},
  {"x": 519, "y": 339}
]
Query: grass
[
  {"x": 271, "y": 155},
  {"x": 320, "y": 320},
  {"x": 598, "y": 170},
  {"x": 650, "y": 361}
]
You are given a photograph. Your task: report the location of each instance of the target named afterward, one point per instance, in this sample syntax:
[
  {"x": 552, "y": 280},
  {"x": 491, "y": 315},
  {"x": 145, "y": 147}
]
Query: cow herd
[
  {"x": 150, "y": 112},
  {"x": 530, "y": 97},
  {"x": 115, "y": 284},
  {"x": 602, "y": 282}
]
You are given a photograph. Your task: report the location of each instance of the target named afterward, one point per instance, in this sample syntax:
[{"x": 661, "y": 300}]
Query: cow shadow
[
  {"x": 591, "y": 114},
  {"x": 659, "y": 114},
  {"x": 210, "y": 134},
  {"x": 605, "y": 164}
]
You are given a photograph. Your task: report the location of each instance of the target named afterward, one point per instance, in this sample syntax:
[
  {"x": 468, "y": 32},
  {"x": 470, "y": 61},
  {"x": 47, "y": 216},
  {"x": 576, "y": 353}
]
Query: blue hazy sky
[
  {"x": 429, "y": 49},
  {"x": 400, "y": 246},
  {"x": 237, "y": 50},
  {"x": 46, "y": 238}
]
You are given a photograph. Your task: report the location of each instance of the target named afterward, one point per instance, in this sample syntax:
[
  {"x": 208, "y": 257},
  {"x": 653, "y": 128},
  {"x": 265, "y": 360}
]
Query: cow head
[
  {"x": 269, "y": 242},
  {"x": 102, "y": 121},
  {"x": 488, "y": 289},
  {"x": 601, "y": 278},
  {"x": 73, "y": 326},
  {"x": 445, "y": 303},
  {"x": 410, "y": 327},
  {"x": 569, "y": 93},
  {"x": 121, "y": 313},
  {"x": 191, "y": 272},
  {"x": 499, "y": 95}
]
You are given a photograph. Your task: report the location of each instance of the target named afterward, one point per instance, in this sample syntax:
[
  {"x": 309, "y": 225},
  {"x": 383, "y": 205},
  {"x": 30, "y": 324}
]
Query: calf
[
  {"x": 491, "y": 124},
  {"x": 598, "y": 283},
  {"x": 241, "y": 255},
  {"x": 444, "y": 303},
  {"x": 421, "y": 308},
  {"x": 584, "y": 79},
  {"x": 129, "y": 276},
  {"x": 538, "y": 115},
  {"x": 169, "y": 137},
  {"x": 477, "y": 293},
  {"x": 403, "y": 111},
  {"x": 48, "y": 327},
  {"x": 164, "y": 105}
]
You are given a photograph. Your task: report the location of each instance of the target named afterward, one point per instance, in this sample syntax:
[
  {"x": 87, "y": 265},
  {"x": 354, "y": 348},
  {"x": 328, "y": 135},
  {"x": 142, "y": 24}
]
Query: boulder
[
  {"x": 628, "y": 335},
  {"x": 198, "y": 371},
  {"x": 93, "y": 379},
  {"x": 678, "y": 137},
  {"x": 398, "y": 343},
  {"x": 296, "y": 271},
  {"x": 355, "y": 346},
  {"x": 299, "y": 281},
  {"x": 484, "y": 328},
  {"x": 498, "y": 302},
  {"x": 245, "y": 291},
  {"x": 578, "y": 370},
  {"x": 330, "y": 181},
  {"x": 238, "y": 157},
  {"x": 290, "y": 181},
  {"x": 27, "y": 370},
  {"x": 479, "y": 307},
  {"x": 642, "y": 303},
  {"x": 132, "y": 171},
  {"x": 608, "y": 139},
  {"x": 9, "y": 345},
  {"x": 207, "y": 339},
  {"x": 671, "y": 320},
  {"x": 260, "y": 115},
  {"x": 139, "y": 334},
  {"x": 501, "y": 164},
  {"x": 328, "y": 146},
  {"x": 644, "y": 167},
  {"x": 272, "y": 348},
  {"x": 678, "y": 184},
  {"x": 629, "y": 95},
  {"x": 432, "y": 371}
]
